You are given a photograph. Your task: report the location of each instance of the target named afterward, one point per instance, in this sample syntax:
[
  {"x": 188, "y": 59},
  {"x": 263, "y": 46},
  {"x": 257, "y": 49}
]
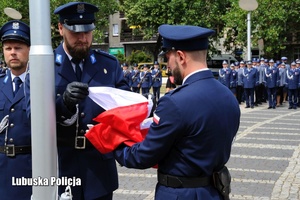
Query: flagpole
[{"x": 42, "y": 94}]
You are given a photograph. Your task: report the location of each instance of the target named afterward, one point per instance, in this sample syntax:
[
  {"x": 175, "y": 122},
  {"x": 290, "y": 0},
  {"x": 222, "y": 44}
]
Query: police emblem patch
[
  {"x": 16, "y": 25},
  {"x": 80, "y": 8}
]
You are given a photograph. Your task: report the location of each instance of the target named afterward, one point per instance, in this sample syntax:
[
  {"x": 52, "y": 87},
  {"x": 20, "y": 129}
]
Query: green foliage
[
  {"x": 120, "y": 56},
  {"x": 138, "y": 56},
  {"x": 106, "y": 8}
]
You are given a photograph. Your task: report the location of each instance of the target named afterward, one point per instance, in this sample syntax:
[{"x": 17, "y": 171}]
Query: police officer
[
  {"x": 145, "y": 79},
  {"x": 15, "y": 132},
  {"x": 292, "y": 85},
  {"x": 250, "y": 79},
  {"x": 187, "y": 152},
  {"x": 156, "y": 80},
  {"x": 126, "y": 74},
  {"x": 135, "y": 79},
  {"x": 225, "y": 74},
  {"x": 77, "y": 67},
  {"x": 272, "y": 81}
]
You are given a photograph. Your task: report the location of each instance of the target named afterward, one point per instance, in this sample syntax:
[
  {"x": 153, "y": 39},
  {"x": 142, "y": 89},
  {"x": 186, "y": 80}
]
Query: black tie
[
  {"x": 77, "y": 68},
  {"x": 18, "y": 83}
]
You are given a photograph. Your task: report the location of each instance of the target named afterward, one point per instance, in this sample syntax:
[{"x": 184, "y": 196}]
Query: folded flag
[{"x": 124, "y": 121}]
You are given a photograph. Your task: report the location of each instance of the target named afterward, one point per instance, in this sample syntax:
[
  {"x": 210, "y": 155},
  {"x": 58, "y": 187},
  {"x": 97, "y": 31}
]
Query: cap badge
[
  {"x": 16, "y": 25},
  {"x": 105, "y": 71},
  {"x": 80, "y": 8}
]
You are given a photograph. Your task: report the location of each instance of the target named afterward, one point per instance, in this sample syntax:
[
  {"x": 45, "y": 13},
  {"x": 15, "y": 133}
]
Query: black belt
[
  {"x": 11, "y": 150},
  {"x": 79, "y": 142},
  {"x": 183, "y": 182}
]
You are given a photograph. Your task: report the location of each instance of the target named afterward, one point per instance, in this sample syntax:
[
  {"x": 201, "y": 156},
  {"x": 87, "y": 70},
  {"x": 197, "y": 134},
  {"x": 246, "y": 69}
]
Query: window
[{"x": 115, "y": 30}]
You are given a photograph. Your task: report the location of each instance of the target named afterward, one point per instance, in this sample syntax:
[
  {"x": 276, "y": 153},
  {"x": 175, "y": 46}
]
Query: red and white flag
[{"x": 124, "y": 121}]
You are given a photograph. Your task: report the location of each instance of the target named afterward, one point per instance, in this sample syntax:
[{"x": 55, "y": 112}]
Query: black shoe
[
  {"x": 247, "y": 107},
  {"x": 290, "y": 107},
  {"x": 269, "y": 107},
  {"x": 295, "y": 107},
  {"x": 274, "y": 107},
  {"x": 252, "y": 106}
]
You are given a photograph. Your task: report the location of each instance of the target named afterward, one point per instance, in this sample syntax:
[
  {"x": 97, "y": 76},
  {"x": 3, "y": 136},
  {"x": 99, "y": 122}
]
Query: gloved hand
[{"x": 75, "y": 92}]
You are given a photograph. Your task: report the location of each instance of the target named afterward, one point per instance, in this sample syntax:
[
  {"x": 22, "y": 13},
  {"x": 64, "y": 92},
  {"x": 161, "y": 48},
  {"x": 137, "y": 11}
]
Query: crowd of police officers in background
[
  {"x": 143, "y": 81},
  {"x": 263, "y": 81}
]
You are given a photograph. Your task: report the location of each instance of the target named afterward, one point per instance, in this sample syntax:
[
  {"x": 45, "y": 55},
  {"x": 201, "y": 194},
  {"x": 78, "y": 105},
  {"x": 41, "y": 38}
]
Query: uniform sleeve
[{"x": 160, "y": 138}]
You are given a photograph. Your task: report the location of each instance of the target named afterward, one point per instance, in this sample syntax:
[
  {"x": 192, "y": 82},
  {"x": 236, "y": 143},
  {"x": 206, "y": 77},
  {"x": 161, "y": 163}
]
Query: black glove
[{"x": 75, "y": 92}]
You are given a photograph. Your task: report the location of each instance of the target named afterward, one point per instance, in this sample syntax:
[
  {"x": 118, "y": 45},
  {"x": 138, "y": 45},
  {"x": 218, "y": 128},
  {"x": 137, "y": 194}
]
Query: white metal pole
[
  {"x": 42, "y": 96},
  {"x": 249, "y": 36}
]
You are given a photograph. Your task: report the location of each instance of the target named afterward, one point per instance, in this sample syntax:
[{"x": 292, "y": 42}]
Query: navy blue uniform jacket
[
  {"x": 19, "y": 134},
  {"x": 98, "y": 172},
  {"x": 197, "y": 124}
]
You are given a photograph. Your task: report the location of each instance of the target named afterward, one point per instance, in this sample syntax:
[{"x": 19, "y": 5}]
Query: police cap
[
  {"x": 155, "y": 63},
  {"x": 15, "y": 30},
  {"x": 77, "y": 16},
  {"x": 184, "y": 37}
]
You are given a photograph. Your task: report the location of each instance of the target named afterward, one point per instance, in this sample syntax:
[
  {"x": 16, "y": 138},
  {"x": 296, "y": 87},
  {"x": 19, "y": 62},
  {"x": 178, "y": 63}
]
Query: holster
[{"x": 221, "y": 180}]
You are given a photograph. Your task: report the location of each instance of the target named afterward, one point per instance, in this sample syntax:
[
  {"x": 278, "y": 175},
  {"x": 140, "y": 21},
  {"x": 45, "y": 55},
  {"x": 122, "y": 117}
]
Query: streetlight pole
[{"x": 248, "y": 5}]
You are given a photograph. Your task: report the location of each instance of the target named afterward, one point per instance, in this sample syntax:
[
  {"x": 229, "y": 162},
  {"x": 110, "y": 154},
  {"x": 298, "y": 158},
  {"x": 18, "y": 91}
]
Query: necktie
[
  {"x": 77, "y": 68},
  {"x": 18, "y": 83}
]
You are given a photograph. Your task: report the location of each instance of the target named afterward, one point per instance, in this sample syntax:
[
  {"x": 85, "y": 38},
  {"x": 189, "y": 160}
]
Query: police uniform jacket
[
  {"x": 135, "y": 77},
  {"x": 156, "y": 78},
  {"x": 127, "y": 77},
  {"x": 272, "y": 77},
  {"x": 185, "y": 141},
  {"x": 225, "y": 76},
  {"x": 240, "y": 77},
  {"x": 233, "y": 82},
  {"x": 261, "y": 74},
  {"x": 282, "y": 77},
  {"x": 18, "y": 134},
  {"x": 292, "y": 78},
  {"x": 98, "y": 172},
  {"x": 145, "y": 79},
  {"x": 250, "y": 77}
]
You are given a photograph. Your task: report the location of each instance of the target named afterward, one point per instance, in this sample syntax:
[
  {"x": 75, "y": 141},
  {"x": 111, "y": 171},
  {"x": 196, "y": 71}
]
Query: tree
[{"x": 106, "y": 8}]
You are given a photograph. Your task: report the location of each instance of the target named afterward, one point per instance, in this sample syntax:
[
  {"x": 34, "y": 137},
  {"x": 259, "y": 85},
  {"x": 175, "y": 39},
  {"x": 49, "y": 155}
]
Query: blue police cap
[
  {"x": 249, "y": 62},
  {"x": 15, "y": 30},
  {"x": 271, "y": 61},
  {"x": 155, "y": 63},
  {"x": 77, "y": 16},
  {"x": 224, "y": 62},
  {"x": 293, "y": 63},
  {"x": 184, "y": 37},
  {"x": 283, "y": 58}
]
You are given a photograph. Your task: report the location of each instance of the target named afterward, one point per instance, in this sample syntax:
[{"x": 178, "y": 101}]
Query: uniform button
[
  {"x": 82, "y": 114},
  {"x": 58, "y": 95},
  {"x": 12, "y": 110},
  {"x": 82, "y": 131},
  {"x": 11, "y": 140},
  {"x": 62, "y": 117},
  {"x": 12, "y": 125}
]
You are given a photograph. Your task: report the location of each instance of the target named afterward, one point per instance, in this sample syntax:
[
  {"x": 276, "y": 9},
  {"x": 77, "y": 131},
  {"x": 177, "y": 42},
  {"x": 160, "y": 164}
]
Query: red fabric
[{"x": 117, "y": 126}]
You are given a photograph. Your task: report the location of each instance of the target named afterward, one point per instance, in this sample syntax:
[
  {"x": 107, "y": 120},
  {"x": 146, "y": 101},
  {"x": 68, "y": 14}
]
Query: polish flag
[{"x": 124, "y": 121}]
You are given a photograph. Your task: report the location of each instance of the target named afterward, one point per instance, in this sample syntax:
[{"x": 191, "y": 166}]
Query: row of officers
[
  {"x": 262, "y": 80},
  {"x": 145, "y": 79}
]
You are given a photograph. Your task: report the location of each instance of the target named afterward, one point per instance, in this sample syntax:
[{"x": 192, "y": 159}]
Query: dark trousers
[
  {"x": 259, "y": 93},
  {"x": 272, "y": 92},
  {"x": 145, "y": 90},
  {"x": 293, "y": 97},
  {"x": 249, "y": 96},
  {"x": 136, "y": 89},
  {"x": 239, "y": 93},
  {"x": 156, "y": 92}
]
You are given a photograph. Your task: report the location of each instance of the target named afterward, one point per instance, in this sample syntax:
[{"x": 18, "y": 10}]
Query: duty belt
[
  {"x": 183, "y": 182},
  {"x": 78, "y": 142},
  {"x": 11, "y": 150}
]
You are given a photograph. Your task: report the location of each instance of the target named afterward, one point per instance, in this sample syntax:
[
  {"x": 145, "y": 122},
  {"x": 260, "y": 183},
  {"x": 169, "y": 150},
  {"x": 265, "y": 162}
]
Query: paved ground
[{"x": 264, "y": 163}]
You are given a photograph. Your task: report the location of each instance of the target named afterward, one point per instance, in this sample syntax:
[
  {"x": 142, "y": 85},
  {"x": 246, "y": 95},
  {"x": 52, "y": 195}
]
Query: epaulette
[
  {"x": 178, "y": 89},
  {"x": 104, "y": 53},
  {"x": 3, "y": 72}
]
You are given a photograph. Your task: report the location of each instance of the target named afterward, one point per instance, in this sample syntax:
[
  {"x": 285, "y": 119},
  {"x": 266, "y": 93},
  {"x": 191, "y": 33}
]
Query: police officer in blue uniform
[
  {"x": 145, "y": 80},
  {"x": 156, "y": 80},
  {"x": 127, "y": 73},
  {"x": 292, "y": 85},
  {"x": 250, "y": 79},
  {"x": 272, "y": 81},
  {"x": 183, "y": 139},
  {"x": 15, "y": 132},
  {"x": 225, "y": 76},
  {"x": 76, "y": 156},
  {"x": 135, "y": 79}
]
